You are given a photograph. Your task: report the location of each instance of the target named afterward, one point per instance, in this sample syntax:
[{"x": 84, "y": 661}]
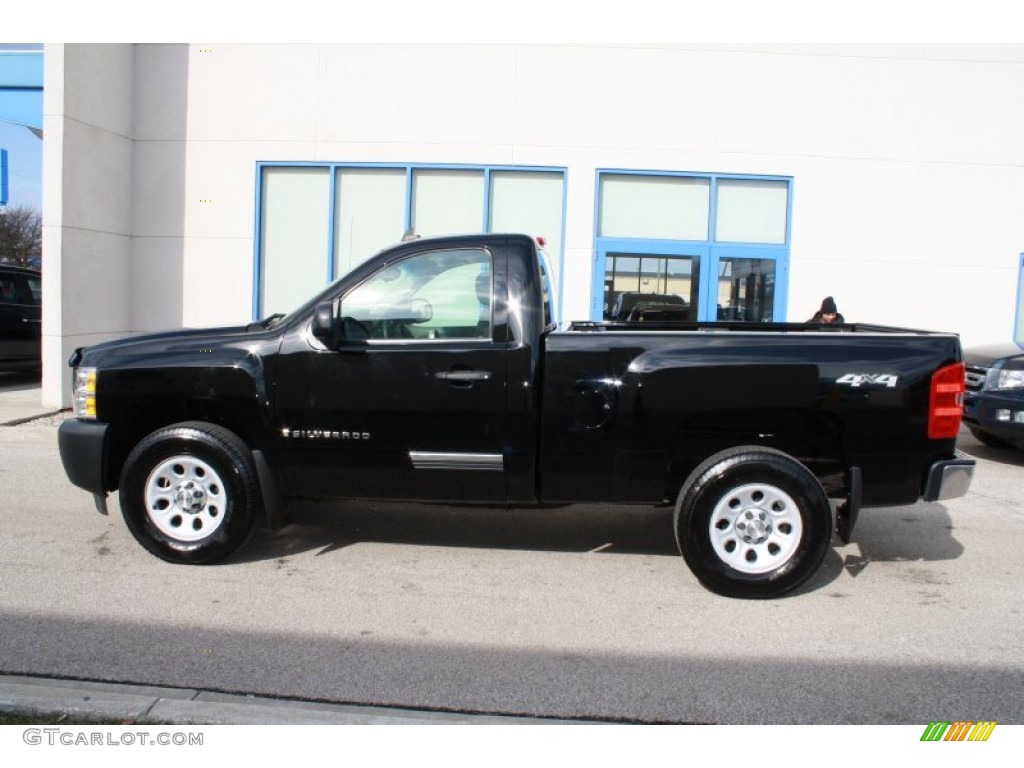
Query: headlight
[
  {"x": 84, "y": 393},
  {"x": 999, "y": 378}
]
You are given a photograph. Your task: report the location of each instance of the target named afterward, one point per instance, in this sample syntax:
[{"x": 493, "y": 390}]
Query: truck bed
[{"x": 649, "y": 400}]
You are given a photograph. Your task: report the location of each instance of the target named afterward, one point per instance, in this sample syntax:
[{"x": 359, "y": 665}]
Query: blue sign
[{"x": 3, "y": 177}]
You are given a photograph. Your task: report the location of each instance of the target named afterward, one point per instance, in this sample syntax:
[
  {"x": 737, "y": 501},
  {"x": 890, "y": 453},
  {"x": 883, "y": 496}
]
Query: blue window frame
[
  {"x": 1018, "y": 325},
  {"x": 731, "y": 266}
]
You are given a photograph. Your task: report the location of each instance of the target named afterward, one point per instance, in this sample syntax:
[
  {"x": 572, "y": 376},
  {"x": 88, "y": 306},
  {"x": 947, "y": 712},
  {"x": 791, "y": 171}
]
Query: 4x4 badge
[{"x": 868, "y": 379}]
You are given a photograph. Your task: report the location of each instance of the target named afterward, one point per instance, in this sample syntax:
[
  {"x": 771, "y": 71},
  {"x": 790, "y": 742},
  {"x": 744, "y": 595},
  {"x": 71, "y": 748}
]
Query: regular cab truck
[{"x": 435, "y": 371}]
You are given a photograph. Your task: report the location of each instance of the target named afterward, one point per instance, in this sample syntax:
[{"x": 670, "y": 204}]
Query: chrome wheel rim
[
  {"x": 186, "y": 498},
  {"x": 756, "y": 528}
]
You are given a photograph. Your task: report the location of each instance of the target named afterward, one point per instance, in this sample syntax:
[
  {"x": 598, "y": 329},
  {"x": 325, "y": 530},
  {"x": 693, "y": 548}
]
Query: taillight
[{"x": 946, "y": 402}]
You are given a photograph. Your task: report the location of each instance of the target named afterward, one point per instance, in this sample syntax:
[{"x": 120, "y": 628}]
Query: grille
[{"x": 975, "y": 378}]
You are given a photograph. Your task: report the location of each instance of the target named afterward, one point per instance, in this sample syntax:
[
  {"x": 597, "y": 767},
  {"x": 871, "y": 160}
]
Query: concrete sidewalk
[
  {"x": 21, "y": 398},
  {"x": 75, "y": 701}
]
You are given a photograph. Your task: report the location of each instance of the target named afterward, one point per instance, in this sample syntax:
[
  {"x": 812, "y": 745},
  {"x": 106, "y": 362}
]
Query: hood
[
  {"x": 986, "y": 356},
  {"x": 188, "y": 343}
]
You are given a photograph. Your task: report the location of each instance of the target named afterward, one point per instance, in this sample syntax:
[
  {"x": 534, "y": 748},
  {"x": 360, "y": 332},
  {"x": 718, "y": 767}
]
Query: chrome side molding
[{"x": 479, "y": 462}]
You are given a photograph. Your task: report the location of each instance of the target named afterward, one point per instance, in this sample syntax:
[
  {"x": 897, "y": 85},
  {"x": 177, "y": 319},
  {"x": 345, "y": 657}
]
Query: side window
[
  {"x": 8, "y": 292},
  {"x": 432, "y": 295},
  {"x": 35, "y": 285}
]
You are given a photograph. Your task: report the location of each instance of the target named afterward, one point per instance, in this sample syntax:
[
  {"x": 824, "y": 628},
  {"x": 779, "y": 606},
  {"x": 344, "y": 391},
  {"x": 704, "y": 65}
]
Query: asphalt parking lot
[{"x": 583, "y": 612}]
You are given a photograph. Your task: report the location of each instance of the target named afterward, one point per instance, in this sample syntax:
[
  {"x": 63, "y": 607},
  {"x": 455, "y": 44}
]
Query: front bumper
[
  {"x": 949, "y": 479},
  {"x": 83, "y": 451},
  {"x": 980, "y": 409}
]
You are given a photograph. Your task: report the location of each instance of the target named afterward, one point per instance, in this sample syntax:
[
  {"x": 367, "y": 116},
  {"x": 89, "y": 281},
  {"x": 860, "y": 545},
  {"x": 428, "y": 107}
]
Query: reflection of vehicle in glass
[
  {"x": 994, "y": 400},
  {"x": 627, "y": 302},
  {"x": 659, "y": 313},
  {"x": 20, "y": 318},
  {"x": 435, "y": 371}
]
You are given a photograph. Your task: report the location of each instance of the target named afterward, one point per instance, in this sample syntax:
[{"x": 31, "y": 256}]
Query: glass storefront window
[
  {"x": 650, "y": 287},
  {"x": 529, "y": 202},
  {"x": 369, "y": 214},
  {"x": 751, "y": 211},
  {"x": 317, "y": 222},
  {"x": 447, "y": 202},
  {"x": 293, "y": 236},
  {"x": 746, "y": 289},
  {"x": 654, "y": 207},
  {"x": 658, "y": 232}
]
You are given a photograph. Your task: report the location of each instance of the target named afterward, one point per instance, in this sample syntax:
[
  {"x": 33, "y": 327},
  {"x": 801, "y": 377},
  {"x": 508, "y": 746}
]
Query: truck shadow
[
  {"x": 922, "y": 532},
  {"x": 919, "y": 533},
  {"x": 329, "y": 526}
]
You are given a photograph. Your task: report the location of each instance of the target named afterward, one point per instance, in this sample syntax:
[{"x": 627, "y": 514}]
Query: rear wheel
[
  {"x": 753, "y": 522},
  {"x": 189, "y": 493}
]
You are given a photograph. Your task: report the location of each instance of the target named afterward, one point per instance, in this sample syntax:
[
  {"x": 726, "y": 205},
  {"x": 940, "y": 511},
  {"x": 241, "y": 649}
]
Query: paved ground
[
  {"x": 84, "y": 700},
  {"x": 392, "y": 611},
  {"x": 20, "y": 397}
]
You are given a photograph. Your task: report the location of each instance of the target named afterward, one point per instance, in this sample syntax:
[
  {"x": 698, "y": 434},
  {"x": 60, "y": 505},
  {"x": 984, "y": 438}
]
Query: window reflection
[
  {"x": 650, "y": 287},
  {"x": 746, "y": 289}
]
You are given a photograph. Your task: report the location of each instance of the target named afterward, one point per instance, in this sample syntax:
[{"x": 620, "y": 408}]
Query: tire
[
  {"x": 989, "y": 439},
  {"x": 190, "y": 494},
  {"x": 753, "y": 522}
]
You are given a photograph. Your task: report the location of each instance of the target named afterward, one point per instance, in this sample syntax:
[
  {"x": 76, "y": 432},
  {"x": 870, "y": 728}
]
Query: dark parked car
[
  {"x": 994, "y": 400},
  {"x": 20, "y": 318}
]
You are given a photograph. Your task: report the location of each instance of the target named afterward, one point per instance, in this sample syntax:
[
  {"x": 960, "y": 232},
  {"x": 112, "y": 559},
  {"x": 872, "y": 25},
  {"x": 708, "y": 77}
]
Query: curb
[
  {"x": 80, "y": 700},
  {"x": 33, "y": 417}
]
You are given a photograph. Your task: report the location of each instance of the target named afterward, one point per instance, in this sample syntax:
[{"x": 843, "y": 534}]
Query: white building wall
[
  {"x": 87, "y": 203},
  {"x": 908, "y": 161}
]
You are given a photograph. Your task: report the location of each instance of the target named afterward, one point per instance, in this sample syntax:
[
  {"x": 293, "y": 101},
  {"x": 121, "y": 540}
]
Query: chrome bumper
[{"x": 949, "y": 479}]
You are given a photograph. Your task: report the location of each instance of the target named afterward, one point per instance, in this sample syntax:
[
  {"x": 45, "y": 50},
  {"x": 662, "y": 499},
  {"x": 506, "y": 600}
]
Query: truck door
[{"x": 412, "y": 402}]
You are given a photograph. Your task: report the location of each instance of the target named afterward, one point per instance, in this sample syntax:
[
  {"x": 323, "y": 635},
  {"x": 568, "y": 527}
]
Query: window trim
[{"x": 1018, "y": 319}]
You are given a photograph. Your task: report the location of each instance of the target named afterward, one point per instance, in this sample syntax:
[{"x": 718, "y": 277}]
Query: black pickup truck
[{"x": 435, "y": 371}]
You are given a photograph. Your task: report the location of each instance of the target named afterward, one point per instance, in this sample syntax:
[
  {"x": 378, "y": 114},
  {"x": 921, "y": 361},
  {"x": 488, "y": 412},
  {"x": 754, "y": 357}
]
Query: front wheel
[
  {"x": 753, "y": 522},
  {"x": 189, "y": 493}
]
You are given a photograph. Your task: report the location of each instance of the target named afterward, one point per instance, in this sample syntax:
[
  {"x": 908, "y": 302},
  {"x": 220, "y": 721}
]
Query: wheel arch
[
  {"x": 142, "y": 418},
  {"x": 816, "y": 439}
]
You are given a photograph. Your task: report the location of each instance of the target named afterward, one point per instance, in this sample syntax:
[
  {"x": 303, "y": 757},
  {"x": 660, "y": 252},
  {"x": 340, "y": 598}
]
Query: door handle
[
  {"x": 463, "y": 376},
  {"x": 26, "y": 320}
]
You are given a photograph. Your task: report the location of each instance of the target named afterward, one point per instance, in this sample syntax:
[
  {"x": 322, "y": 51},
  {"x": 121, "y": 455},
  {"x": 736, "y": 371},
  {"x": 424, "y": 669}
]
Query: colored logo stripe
[{"x": 959, "y": 730}]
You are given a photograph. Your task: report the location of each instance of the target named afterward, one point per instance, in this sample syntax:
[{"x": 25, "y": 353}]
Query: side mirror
[
  {"x": 323, "y": 327},
  {"x": 420, "y": 311}
]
